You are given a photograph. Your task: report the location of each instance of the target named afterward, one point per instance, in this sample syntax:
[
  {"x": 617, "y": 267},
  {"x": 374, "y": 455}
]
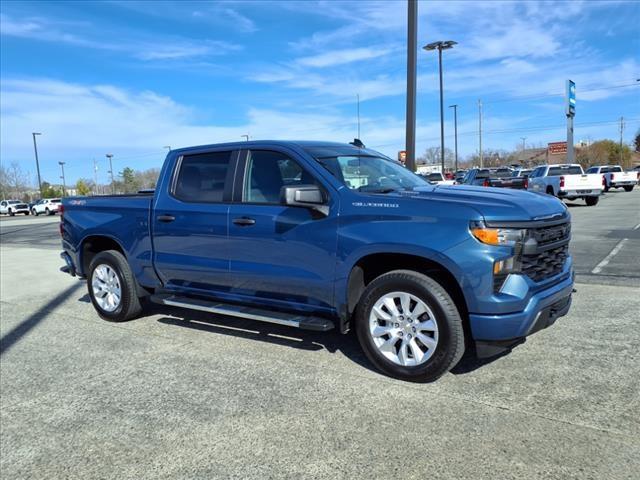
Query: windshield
[
  {"x": 565, "y": 170},
  {"x": 367, "y": 173},
  {"x": 435, "y": 177}
]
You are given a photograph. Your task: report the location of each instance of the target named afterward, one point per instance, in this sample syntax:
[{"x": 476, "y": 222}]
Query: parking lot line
[{"x": 605, "y": 261}]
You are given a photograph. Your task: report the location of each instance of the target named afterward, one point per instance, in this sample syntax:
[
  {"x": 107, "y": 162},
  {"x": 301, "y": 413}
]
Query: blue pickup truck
[{"x": 319, "y": 235}]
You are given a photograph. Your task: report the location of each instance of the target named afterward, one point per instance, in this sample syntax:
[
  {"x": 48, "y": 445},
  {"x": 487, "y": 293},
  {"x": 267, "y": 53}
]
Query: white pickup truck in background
[
  {"x": 615, "y": 177},
  {"x": 566, "y": 181}
]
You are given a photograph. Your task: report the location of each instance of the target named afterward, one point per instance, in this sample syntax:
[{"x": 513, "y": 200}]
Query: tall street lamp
[
  {"x": 113, "y": 186},
  {"x": 455, "y": 130},
  {"x": 64, "y": 183},
  {"x": 35, "y": 149},
  {"x": 442, "y": 45}
]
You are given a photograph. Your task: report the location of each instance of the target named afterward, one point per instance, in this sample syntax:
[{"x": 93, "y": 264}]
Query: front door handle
[
  {"x": 166, "y": 218},
  {"x": 244, "y": 221}
]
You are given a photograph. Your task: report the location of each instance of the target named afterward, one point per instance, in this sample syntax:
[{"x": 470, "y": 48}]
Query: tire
[
  {"x": 628, "y": 188},
  {"x": 550, "y": 191},
  {"x": 47, "y": 212},
  {"x": 26, "y": 213},
  {"x": 128, "y": 306},
  {"x": 449, "y": 336},
  {"x": 12, "y": 213},
  {"x": 35, "y": 212},
  {"x": 591, "y": 201},
  {"x": 606, "y": 187}
]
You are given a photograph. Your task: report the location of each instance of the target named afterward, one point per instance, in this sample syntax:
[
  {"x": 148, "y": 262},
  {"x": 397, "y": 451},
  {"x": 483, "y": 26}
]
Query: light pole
[
  {"x": 441, "y": 46},
  {"x": 168, "y": 147},
  {"x": 246, "y": 137},
  {"x": 412, "y": 54},
  {"x": 110, "y": 156},
  {"x": 64, "y": 186},
  {"x": 524, "y": 139},
  {"x": 455, "y": 132},
  {"x": 35, "y": 149}
]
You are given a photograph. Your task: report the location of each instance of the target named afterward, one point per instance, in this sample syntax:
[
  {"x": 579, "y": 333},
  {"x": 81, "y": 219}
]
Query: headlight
[{"x": 497, "y": 236}]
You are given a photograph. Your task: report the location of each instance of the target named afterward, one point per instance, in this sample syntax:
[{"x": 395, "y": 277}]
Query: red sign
[
  {"x": 402, "y": 156},
  {"x": 556, "y": 148}
]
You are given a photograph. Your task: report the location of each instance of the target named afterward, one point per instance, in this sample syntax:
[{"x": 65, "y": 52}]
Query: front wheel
[
  {"x": 628, "y": 188},
  {"x": 591, "y": 201},
  {"x": 112, "y": 287},
  {"x": 12, "y": 213},
  {"x": 409, "y": 327},
  {"x": 35, "y": 212}
]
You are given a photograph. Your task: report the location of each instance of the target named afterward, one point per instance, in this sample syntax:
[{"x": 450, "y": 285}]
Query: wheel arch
[
  {"x": 370, "y": 266},
  {"x": 91, "y": 245}
]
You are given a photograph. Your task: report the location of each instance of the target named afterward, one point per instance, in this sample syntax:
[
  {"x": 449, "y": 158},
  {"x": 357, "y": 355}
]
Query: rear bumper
[
  {"x": 68, "y": 267},
  {"x": 587, "y": 192},
  {"x": 624, "y": 183},
  {"x": 542, "y": 310}
]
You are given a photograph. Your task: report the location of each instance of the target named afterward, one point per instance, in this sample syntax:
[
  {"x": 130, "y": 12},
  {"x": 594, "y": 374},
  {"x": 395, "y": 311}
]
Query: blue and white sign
[{"x": 571, "y": 98}]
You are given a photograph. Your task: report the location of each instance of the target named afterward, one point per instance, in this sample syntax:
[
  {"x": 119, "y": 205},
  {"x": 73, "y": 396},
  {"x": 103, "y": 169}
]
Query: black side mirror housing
[{"x": 309, "y": 196}]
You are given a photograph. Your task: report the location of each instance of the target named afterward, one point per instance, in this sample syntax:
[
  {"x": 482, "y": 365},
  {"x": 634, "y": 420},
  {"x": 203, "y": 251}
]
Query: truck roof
[{"x": 329, "y": 147}]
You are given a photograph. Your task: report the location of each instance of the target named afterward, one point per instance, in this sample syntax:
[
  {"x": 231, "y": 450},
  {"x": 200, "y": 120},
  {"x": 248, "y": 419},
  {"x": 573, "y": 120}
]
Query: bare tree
[{"x": 14, "y": 182}]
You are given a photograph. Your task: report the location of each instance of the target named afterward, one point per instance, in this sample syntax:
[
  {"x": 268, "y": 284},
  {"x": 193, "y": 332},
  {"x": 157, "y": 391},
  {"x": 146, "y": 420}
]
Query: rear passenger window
[
  {"x": 267, "y": 172},
  {"x": 202, "y": 177}
]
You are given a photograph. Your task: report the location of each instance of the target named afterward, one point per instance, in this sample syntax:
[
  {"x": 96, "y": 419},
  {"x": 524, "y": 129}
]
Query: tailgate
[{"x": 590, "y": 181}]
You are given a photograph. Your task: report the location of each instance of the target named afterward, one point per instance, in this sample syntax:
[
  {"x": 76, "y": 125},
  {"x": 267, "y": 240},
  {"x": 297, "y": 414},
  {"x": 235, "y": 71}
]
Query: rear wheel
[
  {"x": 27, "y": 212},
  {"x": 628, "y": 188},
  {"x": 46, "y": 210},
  {"x": 550, "y": 191},
  {"x": 591, "y": 201},
  {"x": 409, "y": 327},
  {"x": 112, "y": 287}
]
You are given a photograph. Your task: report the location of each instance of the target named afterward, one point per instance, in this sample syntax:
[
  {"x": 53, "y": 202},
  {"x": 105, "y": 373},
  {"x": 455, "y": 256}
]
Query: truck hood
[{"x": 494, "y": 204}]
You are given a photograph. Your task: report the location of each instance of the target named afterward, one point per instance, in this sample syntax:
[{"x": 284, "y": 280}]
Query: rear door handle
[
  {"x": 166, "y": 218},
  {"x": 244, "y": 221}
]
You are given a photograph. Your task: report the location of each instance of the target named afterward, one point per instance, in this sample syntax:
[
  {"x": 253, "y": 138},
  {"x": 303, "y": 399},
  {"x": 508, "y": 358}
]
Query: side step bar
[{"x": 317, "y": 324}]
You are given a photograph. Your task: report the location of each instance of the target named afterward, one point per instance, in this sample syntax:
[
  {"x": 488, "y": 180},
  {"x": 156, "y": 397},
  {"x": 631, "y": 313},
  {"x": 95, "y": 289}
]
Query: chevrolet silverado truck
[
  {"x": 567, "y": 181},
  {"x": 494, "y": 177},
  {"x": 272, "y": 231},
  {"x": 615, "y": 177}
]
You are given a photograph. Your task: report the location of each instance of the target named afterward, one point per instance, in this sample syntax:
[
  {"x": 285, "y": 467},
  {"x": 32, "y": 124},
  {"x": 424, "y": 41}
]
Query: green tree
[
  {"x": 130, "y": 182},
  {"x": 83, "y": 187},
  {"x": 49, "y": 191}
]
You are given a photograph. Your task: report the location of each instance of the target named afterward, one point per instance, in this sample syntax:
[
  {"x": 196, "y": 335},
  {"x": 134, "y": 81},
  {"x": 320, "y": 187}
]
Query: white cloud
[
  {"x": 341, "y": 57},
  {"x": 143, "y": 48}
]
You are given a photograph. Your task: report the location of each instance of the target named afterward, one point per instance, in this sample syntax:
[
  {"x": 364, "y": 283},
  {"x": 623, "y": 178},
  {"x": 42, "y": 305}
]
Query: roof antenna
[
  {"x": 357, "y": 143},
  {"x": 358, "y": 97}
]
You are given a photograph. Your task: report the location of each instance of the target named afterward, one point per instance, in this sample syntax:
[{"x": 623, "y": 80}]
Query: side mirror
[{"x": 309, "y": 196}]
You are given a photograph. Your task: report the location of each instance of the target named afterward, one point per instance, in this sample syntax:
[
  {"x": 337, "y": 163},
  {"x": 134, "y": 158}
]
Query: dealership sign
[
  {"x": 571, "y": 98},
  {"x": 557, "y": 148}
]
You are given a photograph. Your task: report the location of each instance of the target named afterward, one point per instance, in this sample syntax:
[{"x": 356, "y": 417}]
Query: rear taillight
[
  {"x": 485, "y": 183},
  {"x": 604, "y": 181},
  {"x": 61, "y": 211},
  {"x": 613, "y": 175},
  {"x": 561, "y": 182},
  {"x": 525, "y": 183}
]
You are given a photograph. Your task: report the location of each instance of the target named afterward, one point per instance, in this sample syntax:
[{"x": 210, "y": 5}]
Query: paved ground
[{"x": 180, "y": 395}]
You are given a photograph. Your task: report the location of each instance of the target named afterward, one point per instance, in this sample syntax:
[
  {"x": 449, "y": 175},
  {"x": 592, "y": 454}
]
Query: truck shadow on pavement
[{"x": 331, "y": 342}]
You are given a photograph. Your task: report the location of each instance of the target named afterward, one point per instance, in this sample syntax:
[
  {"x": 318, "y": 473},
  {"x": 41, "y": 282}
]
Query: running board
[{"x": 317, "y": 324}]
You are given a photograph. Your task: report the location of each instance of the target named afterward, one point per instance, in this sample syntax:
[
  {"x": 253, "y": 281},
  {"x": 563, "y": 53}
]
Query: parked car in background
[
  {"x": 523, "y": 172},
  {"x": 272, "y": 232},
  {"x": 48, "y": 206},
  {"x": 11, "y": 207},
  {"x": 567, "y": 181},
  {"x": 438, "y": 179},
  {"x": 615, "y": 177},
  {"x": 494, "y": 177},
  {"x": 459, "y": 176}
]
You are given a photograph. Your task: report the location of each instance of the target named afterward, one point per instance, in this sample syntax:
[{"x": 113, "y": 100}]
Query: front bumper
[{"x": 542, "y": 310}]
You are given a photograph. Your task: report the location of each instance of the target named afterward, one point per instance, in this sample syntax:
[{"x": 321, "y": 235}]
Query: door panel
[
  {"x": 281, "y": 255},
  {"x": 190, "y": 224}
]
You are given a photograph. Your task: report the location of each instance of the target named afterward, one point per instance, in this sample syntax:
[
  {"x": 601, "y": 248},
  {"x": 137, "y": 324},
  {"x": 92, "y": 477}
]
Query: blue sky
[{"x": 131, "y": 77}]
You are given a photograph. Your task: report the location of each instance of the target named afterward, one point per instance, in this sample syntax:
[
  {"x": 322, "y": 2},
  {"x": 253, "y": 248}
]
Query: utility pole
[
  {"x": 523, "y": 145},
  {"x": 621, "y": 134},
  {"x": 113, "y": 186},
  {"x": 95, "y": 176},
  {"x": 455, "y": 134},
  {"x": 35, "y": 149},
  {"x": 480, "y": 131},
  {"x": 570, "y": 112},
  {"x": 412, "y": 53},
  {"x": 64, "y": 183},
  {"x": 358, "y": 99}
]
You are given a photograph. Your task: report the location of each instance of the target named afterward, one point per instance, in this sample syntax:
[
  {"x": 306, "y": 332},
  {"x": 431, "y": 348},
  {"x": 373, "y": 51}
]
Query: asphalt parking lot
[{"x": 176, "y": 394}]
